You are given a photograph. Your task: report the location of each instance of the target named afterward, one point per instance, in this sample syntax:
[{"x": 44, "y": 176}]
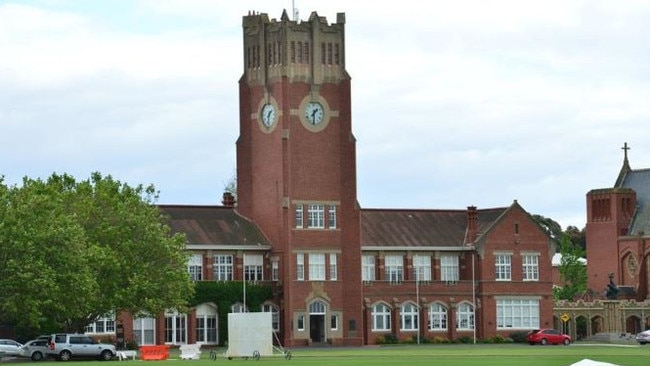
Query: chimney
[
  {"x": 228, "y": 199},
  {"x": 472, "y": 225}
]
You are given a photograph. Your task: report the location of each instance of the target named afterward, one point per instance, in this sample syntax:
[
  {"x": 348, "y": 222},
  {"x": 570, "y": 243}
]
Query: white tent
[
  {"x": 588, "y": 362},
  {"x": 249, "y": 333}
]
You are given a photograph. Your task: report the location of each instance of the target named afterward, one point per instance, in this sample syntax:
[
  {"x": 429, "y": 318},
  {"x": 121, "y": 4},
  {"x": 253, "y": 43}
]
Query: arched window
[
  {"x": 465, "y": 316},
  {"x": 409, "y": 316},
  {"x": 238, "y": 308},
  {"x": 275, "y": 315},
  {"x": 380, "y": 317},
  {"x": 437, "y": 317},
  {"x": 206, "y": 324},
  {"x": 317, "y": 307}
]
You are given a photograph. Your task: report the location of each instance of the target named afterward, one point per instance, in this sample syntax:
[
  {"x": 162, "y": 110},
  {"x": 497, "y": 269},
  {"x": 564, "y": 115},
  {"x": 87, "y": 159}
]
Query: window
[
  {"x": 316, "y": 216},
  {"x": 422, "y": 267},
  {"x": 105, "y": 324},
  {"x": 329, "y": 53},
  {"x": 293, "y": 52},
  {"x": 300, "y": 267},
  {"x": 518, "y": 313},
  {"x": 299, "y": 221},
  {"x": 301, "y": 323},
  {"x": 465, "y": 317},
  {"x": 195, "y": 267},
  {"x": 333, "y": 267},
  {"x": 409, "y": 317},
  {"x": 299, "y": 52},
  {"x": 144, "y": 330},
  {"x": 502, "y": 267},
  {"x": 531, "y": 267},
  {"x": 206, "y": 324},
  {"x": 437, "y": 317},
  {"x": 306, "y": 49},
  {"x": 322, "y": 53},
  {"x": 336, "y": 53},
  {"x": 334, "y": 322},
  {"x": 449, "y": 268},
  {"x": 275, "y": 315},
  {"x": 275, "y": 270},
  {"x": 253, "y": 267},
  {"x": 175, "y": 328},
  {"x": 332, "y": 217},
  {"x": 368, "y": 268},
  {"x": 316, "y": 267},
  {"x": 222, "y": 267},
  {"x": 380, "y": 317},
  {"x": 238, "y": 308},
  {"x": 394, "y": 268}
]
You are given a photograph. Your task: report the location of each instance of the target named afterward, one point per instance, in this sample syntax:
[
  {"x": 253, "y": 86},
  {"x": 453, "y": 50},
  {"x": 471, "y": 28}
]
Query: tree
[
  {"x": 74, "y": 251},
  {"x": 577, "y": 237},
  {"x": 552, "y": 228},
  {"x": 573, "y": 271}
]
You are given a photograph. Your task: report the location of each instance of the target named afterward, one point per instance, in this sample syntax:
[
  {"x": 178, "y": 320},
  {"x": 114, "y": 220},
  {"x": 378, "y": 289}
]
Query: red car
[{"x": 548, "y": 336}]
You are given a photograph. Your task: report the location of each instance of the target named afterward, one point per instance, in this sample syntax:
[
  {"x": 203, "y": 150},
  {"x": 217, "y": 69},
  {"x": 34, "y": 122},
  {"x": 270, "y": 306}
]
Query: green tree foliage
[
  {"x": 573, "y": 272},
  {"x": 577, "y": 236},
  {"x": 72, "y": 251},
  {"x": 552, "y": 228}
]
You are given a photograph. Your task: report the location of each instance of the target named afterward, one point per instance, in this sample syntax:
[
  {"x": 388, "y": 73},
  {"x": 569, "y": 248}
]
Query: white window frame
[
  {"x": 104, "y": 325},
  {"x": 175, "y": 328},
  {"x": 394, "y": 268},
  {"x": 368, "y": 268},
  {"x": 275, "y": 270},
  {"x": 316, "y": 216},
  {"x": 334, "y": 322},
  {"x": 333, "y": 267},
  {"x": 300, "y": 266},
  {"x": 409, "y": 316},
  {"x": 299, "y": 216},
  {"x": 195, "y": 267},
  {"x": 503, "y": 267},
  {"x": 331, "y": 217},
  {"x": 253, "y": 265},
  {"x": 381, "y": 314},
  {"x": 144, "y": 330},
  {"x": 449, "y": 268},
  {"x": 530, "y": 264},
  {"x": 222, "y": 267},
  {"x": 207, "y": 324},
  {"x": 275, "y": 315},
  {"x": 518, "y": 313},
  {"x": 316, "y": 266},
  {"x": 300, "y": 323},
  {"x": 464, "y": 316},
  {"x": 437, "y": 317},
  {"x": 422, "y": 267}
]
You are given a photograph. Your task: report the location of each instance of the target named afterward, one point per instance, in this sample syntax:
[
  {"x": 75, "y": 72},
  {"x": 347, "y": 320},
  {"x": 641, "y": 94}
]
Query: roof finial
[{"x": 625, "y": 148}]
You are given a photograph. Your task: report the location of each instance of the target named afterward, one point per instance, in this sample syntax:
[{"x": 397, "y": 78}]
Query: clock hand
[{"x": 313, "y": 116}]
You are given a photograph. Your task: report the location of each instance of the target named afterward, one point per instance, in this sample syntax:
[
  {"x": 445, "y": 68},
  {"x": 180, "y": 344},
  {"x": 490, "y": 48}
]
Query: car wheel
[
  {"x": 65, "y": 356},
  {"x": 543, "y": 342},
  {"x": 566, "y": 342},
  {"x": 106, "y": 355},
  {"x": 37, "y": 356}
]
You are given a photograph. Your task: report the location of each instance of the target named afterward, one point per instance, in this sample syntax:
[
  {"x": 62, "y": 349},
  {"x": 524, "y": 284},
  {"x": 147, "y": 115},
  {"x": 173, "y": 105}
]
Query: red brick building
[{"x": 344, "y": 275}]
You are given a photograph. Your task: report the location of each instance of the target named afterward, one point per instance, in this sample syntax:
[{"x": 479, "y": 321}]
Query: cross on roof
[{"x": 625, "y": 148}]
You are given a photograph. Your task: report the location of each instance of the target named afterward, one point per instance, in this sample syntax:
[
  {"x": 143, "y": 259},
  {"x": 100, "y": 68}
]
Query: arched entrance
[
  {"x": 581, "y": 327},
  {"x": 633, "y": 324},
  {"x": 597, "y": 324},
  {"x": 317, "y": 311}
]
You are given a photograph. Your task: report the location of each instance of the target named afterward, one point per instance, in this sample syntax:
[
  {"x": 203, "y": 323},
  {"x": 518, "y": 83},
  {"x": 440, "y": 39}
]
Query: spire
[{"x": 625, "y": 168}]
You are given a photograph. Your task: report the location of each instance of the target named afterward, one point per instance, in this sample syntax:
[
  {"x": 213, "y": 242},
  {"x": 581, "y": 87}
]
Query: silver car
[
  {"x": 67, "y": 346},
  {"x": 36, "y": 349},
  {"x": 9, "y": 347},
  {"x": 643, "y": 337}
]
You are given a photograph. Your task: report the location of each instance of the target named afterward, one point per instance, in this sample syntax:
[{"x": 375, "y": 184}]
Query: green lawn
[{"x": 407, "y": 355}]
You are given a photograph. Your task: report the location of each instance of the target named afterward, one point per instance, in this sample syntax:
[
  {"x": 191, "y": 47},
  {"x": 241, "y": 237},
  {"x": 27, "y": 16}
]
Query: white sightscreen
[{"x": 250, "y": 332}]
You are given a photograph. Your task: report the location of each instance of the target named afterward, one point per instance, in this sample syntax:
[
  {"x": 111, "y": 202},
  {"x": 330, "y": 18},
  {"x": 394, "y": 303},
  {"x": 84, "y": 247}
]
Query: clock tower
[{"x": 296, "y": 173}]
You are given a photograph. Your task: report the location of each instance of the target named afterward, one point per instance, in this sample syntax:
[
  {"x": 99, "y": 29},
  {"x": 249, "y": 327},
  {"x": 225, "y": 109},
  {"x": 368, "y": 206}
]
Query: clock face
[
  {"x": 314, "y": 113},
  {"x": 268, "y": 115}
]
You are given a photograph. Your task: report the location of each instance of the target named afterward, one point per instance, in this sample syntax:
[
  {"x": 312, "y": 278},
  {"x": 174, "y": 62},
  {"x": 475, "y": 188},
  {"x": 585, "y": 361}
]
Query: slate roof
[
  {"x": 421, "y": 228},
  {"x": 639, "y": 181},
  {"x": 215, "y": 225}
]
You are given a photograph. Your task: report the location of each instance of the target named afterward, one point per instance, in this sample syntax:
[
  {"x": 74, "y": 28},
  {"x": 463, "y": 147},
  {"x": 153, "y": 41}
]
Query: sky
[{"x": 454, "y": 103}]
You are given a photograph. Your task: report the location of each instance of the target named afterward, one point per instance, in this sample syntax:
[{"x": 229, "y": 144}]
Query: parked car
[
  {"x": 66, "y": 346},
  {"x": 643, "y": 337},
  {"x": 9, "y": 347},
  {"x": 35, "y": 349},
  {"x": 548, "y": 336}
]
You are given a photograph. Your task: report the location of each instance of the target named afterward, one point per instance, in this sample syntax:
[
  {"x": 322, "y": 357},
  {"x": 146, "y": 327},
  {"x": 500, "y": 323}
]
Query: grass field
[
  {"x": 456, "y": 354},
  {"x": 452, "y": 355}
]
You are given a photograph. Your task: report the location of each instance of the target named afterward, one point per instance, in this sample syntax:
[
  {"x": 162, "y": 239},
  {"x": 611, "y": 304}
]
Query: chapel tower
[{"x": 296, "y": 172}]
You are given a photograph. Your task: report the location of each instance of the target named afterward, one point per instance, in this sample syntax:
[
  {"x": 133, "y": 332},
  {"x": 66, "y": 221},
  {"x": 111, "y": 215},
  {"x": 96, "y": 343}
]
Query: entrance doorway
[{"x": 317, "y": 312}]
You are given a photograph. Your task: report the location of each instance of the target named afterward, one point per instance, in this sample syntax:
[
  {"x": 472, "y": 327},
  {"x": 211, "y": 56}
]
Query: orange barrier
[{"x": 154, "y": 353}]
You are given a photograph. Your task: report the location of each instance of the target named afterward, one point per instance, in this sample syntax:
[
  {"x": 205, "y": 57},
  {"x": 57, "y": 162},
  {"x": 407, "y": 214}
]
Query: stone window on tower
[
  {"x": 368, "y": 268},
  {"x": 293, "y": 52},
  {"x": 329, "y": 53},
  {"x": 253, "y": 267},
  {"x": 222, "y": 267},
  {"x": 300, "y": 267},
  {"x": 299, "y": 52},
  {"x": 269, "y": 57},
  {"x": 248, "y": 57},
  {"x": 449, "y": 268},
  {"x": 323, "y": 53},
  {"x": 502, "y": 267},
  {"x": 316, "y": 216},
  {"x": 530, "y": 263},
  {"x": 422, "y": 268},
  {"x": 317, "y": 267},
  {"x": 299, "y": 217},
  {"x": 331, "y": 219},
  {"x": 337, "y": 58},
  {"x": 333, "y": 267},
  {"x": 195, "y": 267},
  {"x": 306, "y": 52},
  {"x": 394, "y": 265}
]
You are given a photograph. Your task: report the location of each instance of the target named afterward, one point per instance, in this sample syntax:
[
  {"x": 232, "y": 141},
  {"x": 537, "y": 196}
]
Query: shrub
[
  {"x": 498, "y": 339},
  {"x": 519, "y": 337},
  {"x": 465, "y": 339}
]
